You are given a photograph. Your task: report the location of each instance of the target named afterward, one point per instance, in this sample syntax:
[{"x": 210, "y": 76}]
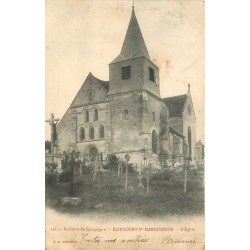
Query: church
[{"x": 127, "y": 115}]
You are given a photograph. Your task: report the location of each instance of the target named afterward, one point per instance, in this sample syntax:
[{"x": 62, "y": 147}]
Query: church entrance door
[{"x": 93, "y": 154}]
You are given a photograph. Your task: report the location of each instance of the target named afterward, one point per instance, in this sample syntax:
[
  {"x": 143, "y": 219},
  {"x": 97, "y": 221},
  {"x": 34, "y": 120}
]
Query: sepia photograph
[{"x": 124, "y": 146}]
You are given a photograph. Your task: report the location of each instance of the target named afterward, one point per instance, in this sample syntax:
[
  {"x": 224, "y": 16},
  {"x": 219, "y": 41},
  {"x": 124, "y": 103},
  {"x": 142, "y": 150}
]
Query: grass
[{"x": 109, "y": 197}]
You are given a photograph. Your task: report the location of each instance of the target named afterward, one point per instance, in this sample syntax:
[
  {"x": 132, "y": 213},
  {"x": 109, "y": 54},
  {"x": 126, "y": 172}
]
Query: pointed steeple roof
[{"x": 133, "y": 45}]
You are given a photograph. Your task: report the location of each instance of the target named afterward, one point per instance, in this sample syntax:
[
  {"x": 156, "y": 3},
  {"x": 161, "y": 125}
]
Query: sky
[{"x": 84, "y": 36}]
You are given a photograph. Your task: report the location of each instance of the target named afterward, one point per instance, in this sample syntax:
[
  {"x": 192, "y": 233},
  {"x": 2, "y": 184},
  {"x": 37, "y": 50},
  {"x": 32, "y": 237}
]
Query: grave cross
[
  {"x": 53, "y": 122},
  {"x": 189, "y": 159},
  {"x": 127, "y": 156}
]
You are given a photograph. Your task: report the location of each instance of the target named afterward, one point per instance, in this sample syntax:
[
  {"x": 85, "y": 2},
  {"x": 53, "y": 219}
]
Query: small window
[
  {"x": 102, "y": 132},
  {"x": 86, "y": 116},
  {"x": 91, "y": 96},
  {"x": 125, "y": 114},
  {"x": 96, "y": 115},
  {"x": 91, "y": 132},
  {"x": 126, "y": 72},
  {"x": 82, "y": 134},
  {"x": 153, "y": 116},
  {"x": 151, "y": 74}
]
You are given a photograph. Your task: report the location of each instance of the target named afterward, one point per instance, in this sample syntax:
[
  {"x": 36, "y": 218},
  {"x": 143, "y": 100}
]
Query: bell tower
[
  {"x": 133, "y": 69},
  {"x": 134, "y": 98}
]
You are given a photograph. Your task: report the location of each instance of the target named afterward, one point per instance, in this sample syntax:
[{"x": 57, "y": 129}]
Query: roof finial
[
  {"x": 189, "y": 88},
  {"x": 133, "y": 6}
]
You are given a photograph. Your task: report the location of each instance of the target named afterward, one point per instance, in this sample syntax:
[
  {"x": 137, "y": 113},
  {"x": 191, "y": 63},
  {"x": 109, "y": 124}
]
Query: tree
[
  {"x": 112, "y": 162},
  {"x": 48, "y": 145}
]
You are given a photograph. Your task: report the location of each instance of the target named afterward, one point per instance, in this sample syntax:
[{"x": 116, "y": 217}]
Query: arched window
[
  {"x": 190, "y": 141},
  {"x": 82, "y": 134},
  {"x": 95, "y": 114},
  {"x": 91, "y": 132},
  {"x": 86, "y": 116},
  {"x": 154, "y": 142},
  {"x": 101, "y": 131}
]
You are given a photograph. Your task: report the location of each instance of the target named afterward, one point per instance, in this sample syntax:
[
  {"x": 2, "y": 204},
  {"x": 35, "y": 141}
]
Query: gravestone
[{"x": 70, "y": 201}]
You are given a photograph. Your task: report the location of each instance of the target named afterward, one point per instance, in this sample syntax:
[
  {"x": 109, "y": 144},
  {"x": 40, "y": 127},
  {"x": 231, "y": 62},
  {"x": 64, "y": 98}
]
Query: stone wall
[
  {"x": 66, "y": 131},
  {"x": 74, "y": 119},
  {"x": 135, "y": 82},
  {"x": 125, "y": 126},
  {"x": 132, "y": 132},
  {"x": 189, "y": 120},
  {"x": 93, "y": 85},
  {"x": 139, "y": 78}
]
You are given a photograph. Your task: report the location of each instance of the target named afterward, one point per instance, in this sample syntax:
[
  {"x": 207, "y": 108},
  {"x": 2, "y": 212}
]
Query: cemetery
[
  {"x": 75, "y": 184},
  {"x": 122, "y": 148}
]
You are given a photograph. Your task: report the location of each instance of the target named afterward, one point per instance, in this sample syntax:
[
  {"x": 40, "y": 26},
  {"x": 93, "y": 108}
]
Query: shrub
[
  {"x": 50, "y": 173},
  {"x": 111, "y": 162}
]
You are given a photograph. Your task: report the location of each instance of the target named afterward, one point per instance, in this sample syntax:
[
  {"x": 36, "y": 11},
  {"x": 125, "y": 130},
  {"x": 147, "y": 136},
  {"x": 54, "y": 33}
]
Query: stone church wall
[
  {"x": 125, "y": 122},
  {"x": 99, "y": 143},
  {"x": 66, "y": 131},
  {"x": 133, "y": 132},
  {"x": 189, "y": 121},
  {"x": 135, "y": 82}
]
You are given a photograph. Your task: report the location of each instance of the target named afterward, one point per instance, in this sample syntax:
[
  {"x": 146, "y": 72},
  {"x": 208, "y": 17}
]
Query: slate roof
[
  {"x": 105, "y": 84},
  {"x": 175, "y": 104},
  {"x": 173, "y": 131},
  {"x": 133, "y": 45}
]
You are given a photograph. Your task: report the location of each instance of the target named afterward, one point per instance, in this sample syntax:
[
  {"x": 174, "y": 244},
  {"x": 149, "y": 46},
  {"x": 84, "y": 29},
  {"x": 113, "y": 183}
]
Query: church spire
[
  {"x": 133, "y": 45},
  {"x": 133, "y": 70}
]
